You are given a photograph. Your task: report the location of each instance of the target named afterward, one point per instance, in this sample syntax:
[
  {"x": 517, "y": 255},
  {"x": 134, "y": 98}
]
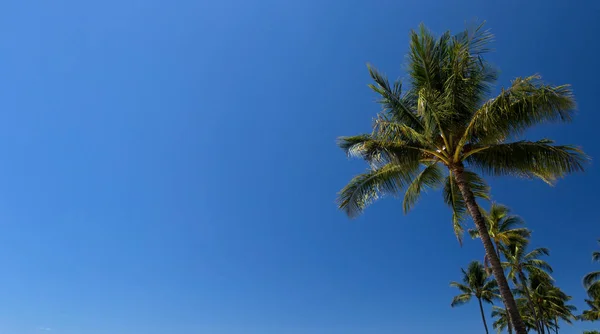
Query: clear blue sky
[{"x": 170, "y": 166}]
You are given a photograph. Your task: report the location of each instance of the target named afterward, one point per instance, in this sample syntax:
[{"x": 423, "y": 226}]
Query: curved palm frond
[
  {"x": 430, "y": 177},
  {"x": 591, "y": 278},
  {"x": 527, "y": 159},
  {"x": 461, "y": 299},
  {"x": 526, "y": 103},
  {"x": 395, "y": 105},
  {"x": 363, "y": 189}
]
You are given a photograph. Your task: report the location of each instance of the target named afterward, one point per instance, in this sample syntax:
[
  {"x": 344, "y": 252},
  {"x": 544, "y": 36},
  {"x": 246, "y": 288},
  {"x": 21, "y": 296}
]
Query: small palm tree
[
  {"x": 593, "y": 313},
  {"x": 550, "y": 302},
  {"x": 445, "y": 123},
  {"x": 504, "y": 229},
  {"x": 476, "y": 283},
  {"x": 519, "y": 262},
  {"x": 502, "y": 321},
  {"x": 591, "y": 281}
]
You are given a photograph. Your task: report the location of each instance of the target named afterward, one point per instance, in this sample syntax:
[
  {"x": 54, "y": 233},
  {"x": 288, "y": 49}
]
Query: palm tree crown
[
  {"x": 476, "y": 283},
  {"x": 591, "y": 281},
  {"x": 504, "y": 229}
]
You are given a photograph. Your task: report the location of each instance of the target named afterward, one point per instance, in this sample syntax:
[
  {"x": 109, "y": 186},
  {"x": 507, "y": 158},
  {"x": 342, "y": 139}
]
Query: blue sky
[{"x": 170, "y": 166}]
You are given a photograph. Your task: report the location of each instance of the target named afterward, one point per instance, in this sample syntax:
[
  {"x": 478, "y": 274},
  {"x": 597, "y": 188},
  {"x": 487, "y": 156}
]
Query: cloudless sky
[{"x": 171, "y": 167}]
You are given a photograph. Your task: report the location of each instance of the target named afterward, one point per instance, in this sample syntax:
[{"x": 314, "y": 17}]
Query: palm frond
[
  {"x": 527, "y": 159},
  {"x": 380, "y": 152},
  {"x": 596, "y": 256},
  {"x": 365, "y": 188},
  {"x": 526, "y": 103},
  {"x": 430, "y": 177},
  {"x": 536, "y": 253},
  {"x": 462, "y": 287},
  {"x": 461, "y": 299},
  {"x": 591, "y": 278},
  {"x": 399, "y": 107}
]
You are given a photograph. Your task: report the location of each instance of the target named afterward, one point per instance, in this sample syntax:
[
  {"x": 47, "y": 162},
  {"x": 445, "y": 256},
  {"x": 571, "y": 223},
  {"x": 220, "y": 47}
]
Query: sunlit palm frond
[
  {"x": 430, "y": 177},
  {"x": 365, "y": 188},
  {"x": 525, "y": 103},
  {"x": 527, "y": 159}
]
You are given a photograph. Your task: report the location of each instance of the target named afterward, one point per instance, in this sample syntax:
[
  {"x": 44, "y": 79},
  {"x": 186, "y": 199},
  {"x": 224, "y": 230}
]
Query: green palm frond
[
  {"x": 379, "y": 152},
  {"x": 527, "y": 159},
  {"x": 395, "y": 105},
  {"x": 365, "y": 188},
  {"x": 430, "y": 177},
  {"x": 462, "y": 287},
  {"x": 591, "y": 278},
  {"x": 460, "y": 299},
  {"x": 527, "y": 102},
  {"x": 536, "y": 253}
]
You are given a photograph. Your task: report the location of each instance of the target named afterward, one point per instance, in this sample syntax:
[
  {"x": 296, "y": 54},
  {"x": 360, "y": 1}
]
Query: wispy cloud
[{"x": 45, "y": 329}]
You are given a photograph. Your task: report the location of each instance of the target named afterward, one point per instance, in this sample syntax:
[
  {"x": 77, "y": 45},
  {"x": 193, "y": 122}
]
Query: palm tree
[
  {"x": 549, "y": 301},
  {"x": 476, "y": 283},
  {"x": 593, "y": 313},
  {"x": 504, "y": 229},
  {"x": 502, "y": 321},
  {"x": 444, "y": 123},
  {"x": 518, "y": 263},
  {"x": 591, "y": 281}
]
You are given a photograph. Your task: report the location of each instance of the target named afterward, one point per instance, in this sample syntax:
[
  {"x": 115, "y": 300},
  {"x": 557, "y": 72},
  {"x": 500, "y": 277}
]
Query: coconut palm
[
  {"x": 593, "y": 313},
  {"x": 502, "y": 321},
  {"x": 504, "y": 229},
  {"x": 476, "y": 283},
  {"x": 443, "y": 123},
  {"x": 549, "y": 301},
  {"x": 520, "y": 263},
  {"x": 591, "y": 281}
]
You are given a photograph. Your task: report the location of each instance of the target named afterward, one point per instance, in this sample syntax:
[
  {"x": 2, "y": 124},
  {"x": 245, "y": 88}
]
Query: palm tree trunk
[
  {"x": 473, "y": 208},
  {"x": 483, "y": 316},
  {"x": 536, "y": 318},
  {"x": 507, "y": 314}
]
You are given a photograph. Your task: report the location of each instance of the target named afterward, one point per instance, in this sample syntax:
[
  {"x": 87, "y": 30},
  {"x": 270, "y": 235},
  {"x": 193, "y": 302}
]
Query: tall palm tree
[
  {"x": 476, "y": 283},
  {"x": 519, "y": 262},
  {"x": 591, "y": 281},
  {"x": 443, "y": 122},
  {"x": 504, "y": 229}
]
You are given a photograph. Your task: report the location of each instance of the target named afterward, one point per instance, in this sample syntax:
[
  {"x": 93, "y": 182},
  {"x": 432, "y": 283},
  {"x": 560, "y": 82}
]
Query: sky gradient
[{"x": 171, "y": 167}]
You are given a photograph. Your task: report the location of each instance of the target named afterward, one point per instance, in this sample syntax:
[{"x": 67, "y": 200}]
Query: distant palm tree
[
  {"x": 550, "y": 302},
  {"x": 519, "y": 262},
  {"x": 591, "y": 281},
  {"x": 476, "y": 283},
  {"x": 591, "y": 332},
  {"x": 502, "y": 321},
  {"x": 504, "y": 228},
  {"x": 593, "y": 314},
  {"x": 445, "y": 123}
]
